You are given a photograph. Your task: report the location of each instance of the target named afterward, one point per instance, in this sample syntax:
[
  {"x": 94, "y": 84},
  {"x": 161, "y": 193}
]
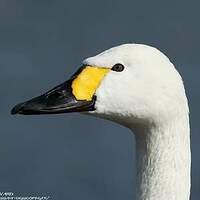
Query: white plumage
[{"x": 149, "y": 98}]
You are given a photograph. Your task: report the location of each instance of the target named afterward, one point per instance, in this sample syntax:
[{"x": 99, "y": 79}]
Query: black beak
[{"x": 58, "y": 100}]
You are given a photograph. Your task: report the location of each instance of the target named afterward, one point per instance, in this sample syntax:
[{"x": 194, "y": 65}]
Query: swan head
[
  {"x": 148, "y": 89},
  {"x": 128, "y": 84}
]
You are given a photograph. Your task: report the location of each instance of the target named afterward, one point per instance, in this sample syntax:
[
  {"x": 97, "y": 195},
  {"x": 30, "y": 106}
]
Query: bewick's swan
[{"x": 136, "y": 86}]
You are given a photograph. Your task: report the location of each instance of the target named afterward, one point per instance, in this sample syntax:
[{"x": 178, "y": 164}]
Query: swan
[{"x": 138, "y": 87}]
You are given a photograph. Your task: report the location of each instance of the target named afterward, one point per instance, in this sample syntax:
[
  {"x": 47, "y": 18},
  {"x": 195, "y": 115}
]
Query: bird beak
[{"x": 75, "y": 95}]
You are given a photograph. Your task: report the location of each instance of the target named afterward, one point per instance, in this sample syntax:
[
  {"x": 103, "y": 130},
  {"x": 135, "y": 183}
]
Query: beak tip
[{"x": 17, "y": 109}]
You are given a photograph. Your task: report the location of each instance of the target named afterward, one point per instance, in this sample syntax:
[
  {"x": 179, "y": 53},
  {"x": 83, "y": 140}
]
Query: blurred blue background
[{"x": 42, "y": 43}]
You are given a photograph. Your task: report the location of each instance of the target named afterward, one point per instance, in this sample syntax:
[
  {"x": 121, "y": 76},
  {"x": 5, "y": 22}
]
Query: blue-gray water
[{"x": 42, "y": 43}]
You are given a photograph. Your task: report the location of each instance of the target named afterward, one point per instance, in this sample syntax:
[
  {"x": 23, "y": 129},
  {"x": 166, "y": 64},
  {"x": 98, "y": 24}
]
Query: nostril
[{"x": 55, "y": 95}]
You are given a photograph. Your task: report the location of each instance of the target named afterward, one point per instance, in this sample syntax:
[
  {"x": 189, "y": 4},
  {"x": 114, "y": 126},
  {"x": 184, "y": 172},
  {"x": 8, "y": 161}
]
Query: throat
[{"x": 163, "y": 161}]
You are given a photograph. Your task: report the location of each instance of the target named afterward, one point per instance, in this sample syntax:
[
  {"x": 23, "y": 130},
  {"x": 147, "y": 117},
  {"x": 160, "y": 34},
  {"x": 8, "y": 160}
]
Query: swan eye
[{"x": 118, "y": 67}]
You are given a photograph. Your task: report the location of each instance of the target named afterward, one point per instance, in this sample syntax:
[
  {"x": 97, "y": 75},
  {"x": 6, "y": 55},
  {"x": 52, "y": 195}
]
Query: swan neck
[{"x": 163, "y": 161}]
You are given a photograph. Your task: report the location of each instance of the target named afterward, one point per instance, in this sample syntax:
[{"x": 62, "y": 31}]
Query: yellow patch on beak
[{"x": 86, "y": 83}]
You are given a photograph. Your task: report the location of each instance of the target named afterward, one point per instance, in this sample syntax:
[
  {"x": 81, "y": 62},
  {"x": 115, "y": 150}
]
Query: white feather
[{"x": 149, "y": 98}]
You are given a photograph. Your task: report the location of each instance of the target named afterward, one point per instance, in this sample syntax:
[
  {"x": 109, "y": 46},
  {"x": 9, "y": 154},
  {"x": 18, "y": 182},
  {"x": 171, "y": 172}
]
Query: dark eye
[{"x": 118, "y": 67}]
